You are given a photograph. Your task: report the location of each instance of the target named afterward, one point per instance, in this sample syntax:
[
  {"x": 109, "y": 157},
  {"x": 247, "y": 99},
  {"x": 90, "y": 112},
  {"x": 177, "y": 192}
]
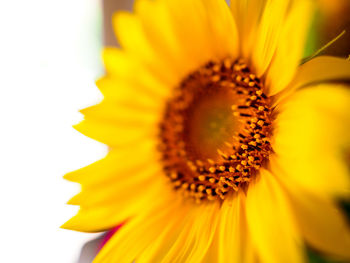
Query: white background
[{"x": 49, "y": 60}]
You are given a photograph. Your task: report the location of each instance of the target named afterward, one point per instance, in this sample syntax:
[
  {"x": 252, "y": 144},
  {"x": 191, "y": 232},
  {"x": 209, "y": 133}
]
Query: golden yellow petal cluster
[{"x": 292, "y": 145}]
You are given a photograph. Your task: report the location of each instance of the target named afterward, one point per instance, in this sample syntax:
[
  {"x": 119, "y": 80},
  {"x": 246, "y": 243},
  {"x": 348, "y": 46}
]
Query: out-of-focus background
[{"x": 49, "y": 61}]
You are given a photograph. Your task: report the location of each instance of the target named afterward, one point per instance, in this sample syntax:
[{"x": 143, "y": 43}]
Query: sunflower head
[
  {"x": 216, "y": 130},
  {"x": 223, "y": 147}
]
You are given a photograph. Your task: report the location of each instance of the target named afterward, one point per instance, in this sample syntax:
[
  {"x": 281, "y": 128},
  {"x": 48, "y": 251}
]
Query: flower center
[{"x": 216, "y": 129}]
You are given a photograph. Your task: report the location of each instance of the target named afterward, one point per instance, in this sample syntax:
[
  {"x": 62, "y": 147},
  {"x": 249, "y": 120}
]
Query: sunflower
[{"x": 222, "y": 147}]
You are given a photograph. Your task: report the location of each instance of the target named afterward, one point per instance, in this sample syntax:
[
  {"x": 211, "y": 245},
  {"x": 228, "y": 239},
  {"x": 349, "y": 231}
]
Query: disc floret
[{"x": 237, "y": 162}]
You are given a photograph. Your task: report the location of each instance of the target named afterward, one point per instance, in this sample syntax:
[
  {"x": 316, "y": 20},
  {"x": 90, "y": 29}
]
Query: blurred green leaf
[{"x": 315, "y": 257}]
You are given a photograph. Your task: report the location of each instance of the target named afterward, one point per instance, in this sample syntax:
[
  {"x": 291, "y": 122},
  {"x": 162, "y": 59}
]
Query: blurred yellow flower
[{"x": 221, "y": 147}]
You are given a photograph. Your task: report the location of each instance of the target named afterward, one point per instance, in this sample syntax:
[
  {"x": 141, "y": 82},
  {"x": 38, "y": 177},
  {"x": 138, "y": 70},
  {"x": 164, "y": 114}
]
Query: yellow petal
[
  {"x": 123, "y": 115},
  {"x": 234, "y": 242},
  {"x": 96, "y": 215},
  {"x": 97, "y": 220},
  {"x": 160, "y": 217},
  {"x": 131, "y": 36},
  {"x": 323, "y": 225},
  {"x": 117, "y": 187},
  {"x": 114, "y": 134},
  {"x": 312, "y": 139},
  {"x": 271, "y": 222},
  {"x": 192, "y": 31},
  {"x": 318, "y": 70},
  {"x": 118, "y": 63},
  {"x": 163, "y": 243},
  {"x": 195, "y": 238},
  {"x": 106, "y": 216},
  {"x": 123, "y": 67},
  {"x": 131, "y": 33},
  {"x": 290, "y": 46},
  {"x": 116, "y": 164},
  {"x": 158, "y": 28},
  {"x": 222, "y": 27},
  {"x": 133, "y": 93},
  {"x": 268, "y": 34},
  {"x": 190, "y": 23},
  {"x": 127, "y": 104},
  {"x": 112, "y": 192},
  {"x": 321, "y": 69},
  {"x": 247, "y": 14}
]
